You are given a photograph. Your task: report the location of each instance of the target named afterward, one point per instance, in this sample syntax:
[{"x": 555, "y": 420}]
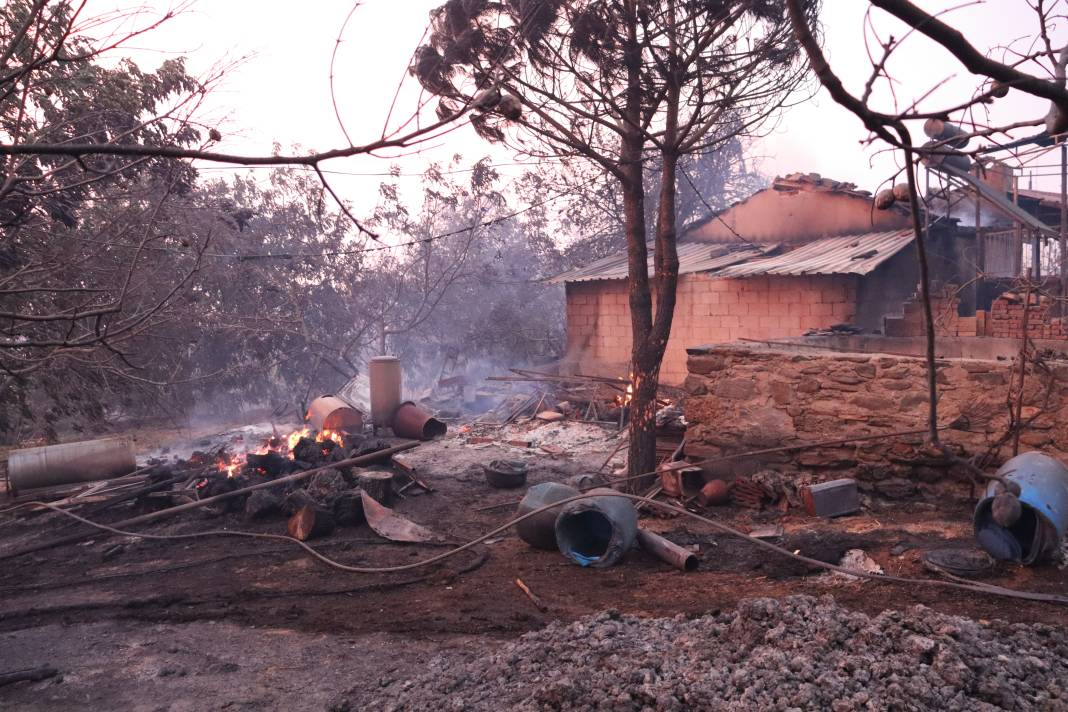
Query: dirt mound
[{"x": 796, "y": 653}]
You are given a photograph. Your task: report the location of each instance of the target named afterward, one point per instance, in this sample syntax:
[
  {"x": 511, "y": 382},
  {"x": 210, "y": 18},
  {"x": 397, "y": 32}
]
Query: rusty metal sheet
[
  {"x": 848, "y": 254},
  {"x": 389, "y": 525}
]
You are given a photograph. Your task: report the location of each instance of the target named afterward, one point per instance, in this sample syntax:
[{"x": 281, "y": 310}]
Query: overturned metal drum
[
  {"x": 411, "y": 421},
  {"x": 332, "y": 413},
  {"x": 70, "y": 463},
  {"x": 539, "y": 530},
  {"x": 1043, "y": 516}
]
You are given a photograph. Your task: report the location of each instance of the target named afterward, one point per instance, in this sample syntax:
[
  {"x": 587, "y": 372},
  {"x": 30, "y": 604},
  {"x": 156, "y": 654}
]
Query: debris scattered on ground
[
  {"x": 966, "y": 563},
  {"x": 311, "y": 477},
  {"x": 831, "y": 499},
  {"x": 797, "y": 653},
  {"x": 390, "y": 525},
  {"x": 855, "y": 560},
  {"x": 506, "y": 474},
  {"x": 772, "y": 531}
]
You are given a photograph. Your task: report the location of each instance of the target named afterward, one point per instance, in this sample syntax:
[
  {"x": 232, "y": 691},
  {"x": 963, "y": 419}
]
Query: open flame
[
  {"x": 232, "y": 462},
  {"x": 628, "y": 395},
  {"x": 327, "y": 434}
]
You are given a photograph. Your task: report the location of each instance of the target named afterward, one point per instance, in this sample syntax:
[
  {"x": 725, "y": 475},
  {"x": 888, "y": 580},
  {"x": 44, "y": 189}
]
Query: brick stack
[
  {"x": 944, "y": 304},
  {"x": 1007, "y": 317}
]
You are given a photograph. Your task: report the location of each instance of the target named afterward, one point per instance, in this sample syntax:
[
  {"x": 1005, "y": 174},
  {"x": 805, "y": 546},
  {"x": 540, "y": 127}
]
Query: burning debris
[{"x": 236, "y": 475}]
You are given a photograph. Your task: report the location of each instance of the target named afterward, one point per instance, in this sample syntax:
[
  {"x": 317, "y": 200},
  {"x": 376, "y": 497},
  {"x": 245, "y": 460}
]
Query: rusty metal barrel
[
  {"x": 70, "y": 463},
  {"x": 411, "y": 421},
  {"x": 332, "y": 413},
  {"x": 387, "y": 382}
]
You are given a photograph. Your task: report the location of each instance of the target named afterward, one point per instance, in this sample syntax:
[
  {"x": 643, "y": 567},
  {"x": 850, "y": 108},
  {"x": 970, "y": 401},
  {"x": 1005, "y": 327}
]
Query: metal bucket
[
  {"x": 540, "y": 530},
  {"x": 387, "y": 380},
  {"x": 70, "y": 463},
  {"x": 411, "y": 421},
  {"x": 1043, "y": 522},
  {"x": 332, "y": 413},
  {"x": 597, "y": 531}
]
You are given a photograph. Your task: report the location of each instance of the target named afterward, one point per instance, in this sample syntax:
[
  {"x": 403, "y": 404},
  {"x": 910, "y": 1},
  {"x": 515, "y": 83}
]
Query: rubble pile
[{"x": 796, "y": 653}]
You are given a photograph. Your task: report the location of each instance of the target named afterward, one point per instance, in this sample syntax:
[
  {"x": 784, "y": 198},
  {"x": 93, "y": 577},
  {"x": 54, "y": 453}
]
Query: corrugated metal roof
[
  {"x": 1044, "y": 196},
  {"x": 850, "y": 254},
  {"x": 693, "y": 257}
]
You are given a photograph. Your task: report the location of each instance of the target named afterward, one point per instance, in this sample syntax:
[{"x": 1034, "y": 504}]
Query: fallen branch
[
  {"x": 32, "y": 674},
  {"x": 530, "y": 594}
]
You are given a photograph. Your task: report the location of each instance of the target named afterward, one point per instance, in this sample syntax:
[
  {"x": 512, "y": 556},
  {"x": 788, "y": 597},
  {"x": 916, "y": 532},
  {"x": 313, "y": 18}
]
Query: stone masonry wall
[
  {"x": 707, "y": 311},
  {"x": 742, "y": 399}
]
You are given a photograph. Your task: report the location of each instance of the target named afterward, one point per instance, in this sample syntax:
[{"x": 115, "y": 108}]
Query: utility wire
[
  {"x": 384, "y": 174},
  {"x": 975, "y": 587}
]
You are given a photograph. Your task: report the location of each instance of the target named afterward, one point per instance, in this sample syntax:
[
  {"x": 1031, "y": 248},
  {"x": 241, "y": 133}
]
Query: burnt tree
[
  {"x": 887, "y": 118},
  {"x": 623, "y": 84}
]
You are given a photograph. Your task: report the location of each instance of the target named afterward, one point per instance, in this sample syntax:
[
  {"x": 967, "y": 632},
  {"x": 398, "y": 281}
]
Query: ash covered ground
[{"x": 800, "y": 652}]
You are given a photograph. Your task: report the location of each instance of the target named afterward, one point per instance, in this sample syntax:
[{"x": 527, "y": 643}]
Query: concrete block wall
[
  {"x": 707, "y": 311},
  {"x": 945, "y": 303}
]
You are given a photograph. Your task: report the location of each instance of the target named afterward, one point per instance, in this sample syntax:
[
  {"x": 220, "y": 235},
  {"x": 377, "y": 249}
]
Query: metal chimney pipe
[{"x": 386, "y": 384}]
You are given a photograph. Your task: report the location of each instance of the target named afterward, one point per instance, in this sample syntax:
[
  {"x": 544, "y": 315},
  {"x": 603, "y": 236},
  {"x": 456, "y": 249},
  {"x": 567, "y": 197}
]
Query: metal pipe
[
  {"x": 411, "y": 421},
  {"x": 667, "y": 551},
  {"x": 1036, "y": 256},
  {"x": 386, "y": 379},
  {"x": 70, "y": 463}
]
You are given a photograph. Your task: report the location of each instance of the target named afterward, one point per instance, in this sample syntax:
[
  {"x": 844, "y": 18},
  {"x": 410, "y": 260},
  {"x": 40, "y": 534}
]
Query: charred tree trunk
[
  {"x": 651, "y": 334},
  {"x": 925, "y": 289},
  {"x": 642, "y": 452},
  {"x": 378, "y": 484}
]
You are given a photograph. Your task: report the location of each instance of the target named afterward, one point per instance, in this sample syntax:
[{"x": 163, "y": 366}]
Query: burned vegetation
[{"x": 614, "y": 422}]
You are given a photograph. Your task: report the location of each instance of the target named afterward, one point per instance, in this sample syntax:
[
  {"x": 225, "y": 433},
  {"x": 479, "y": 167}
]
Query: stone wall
[
  {"x": 707, "y": 311},
  {"x": 742, "y": 399}
]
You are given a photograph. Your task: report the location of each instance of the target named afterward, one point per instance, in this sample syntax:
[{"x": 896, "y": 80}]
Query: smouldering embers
[{"x": 232, "y": 462}]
